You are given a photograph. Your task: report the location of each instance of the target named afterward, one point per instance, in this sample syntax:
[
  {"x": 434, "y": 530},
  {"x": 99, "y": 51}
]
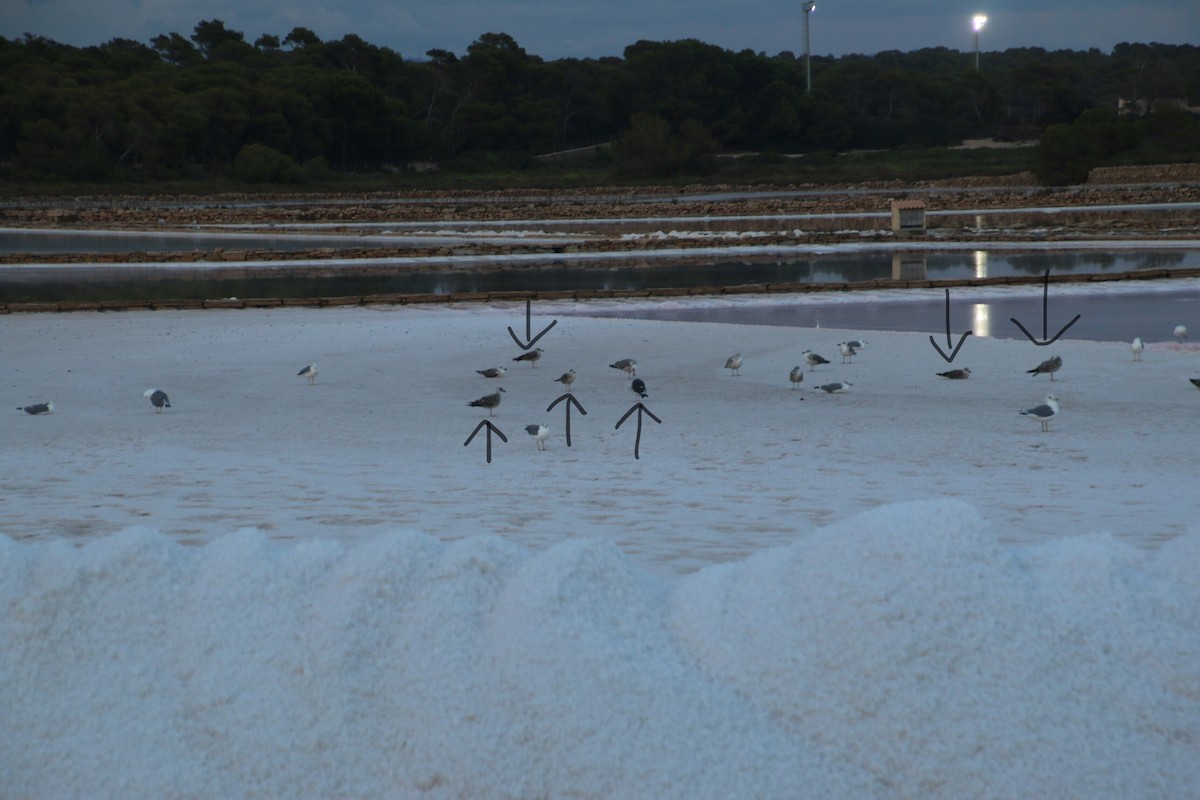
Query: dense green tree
[{"x": 181, "y": 106}]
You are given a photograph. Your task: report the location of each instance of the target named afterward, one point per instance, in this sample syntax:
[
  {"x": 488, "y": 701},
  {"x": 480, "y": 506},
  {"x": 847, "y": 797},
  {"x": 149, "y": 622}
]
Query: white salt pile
[{"x": 901, "y": 653}]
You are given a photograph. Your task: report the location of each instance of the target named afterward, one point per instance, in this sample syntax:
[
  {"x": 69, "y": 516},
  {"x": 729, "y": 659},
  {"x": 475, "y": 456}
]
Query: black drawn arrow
[
  {"x": 638, "y": 407},
  {"x": 528, "y": 331},
  {"x": 570, "y": 398},
  {"x": 1045, "y": 309},
  {"x": 490, "y": 430},
  {"x": 949, "y": 339}
]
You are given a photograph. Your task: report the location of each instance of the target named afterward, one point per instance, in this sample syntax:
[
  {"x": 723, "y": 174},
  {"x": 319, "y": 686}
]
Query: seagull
[
  {"x": 567, "y": 378},
  {"x": 813, "y": 360},
  {"x": 1195, "y": 382},
  {"x": 734, "y": 363},
  {"x": 1049, "y": 366},
  {"x": 532, "y": 356},
  {"x": 628, "y": 365},
  {"x": 488, "y": 401},
  {"x": 159, "y": 398},
  {"x": 835, "y": 387},
  {"x": 493, "y": 372},
  {"x": 539, "y": 433},
  {"x": 858, "y": 344},
  {"x": 957, "y": 374},
  {"x": 796, "y": 376},
  {"x": 1043, "y": 413},
  {"x": 1136, "y": 347},
  {"x": 37, "y": 408},
  {"x": 847, "y": 350},
  {"x": 309, "y": 372},
  {"x": 1181, "y": 332},
  {"x": 639, "y": 387}
]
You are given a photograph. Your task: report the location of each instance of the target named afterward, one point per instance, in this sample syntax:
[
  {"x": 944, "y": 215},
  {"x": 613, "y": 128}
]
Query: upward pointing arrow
[
  {"x": 490, "y": 430},
  {"x": 570, "y": 398},
  {"x": 528, "y": 330},
  {"x": 640, "y": 409}
]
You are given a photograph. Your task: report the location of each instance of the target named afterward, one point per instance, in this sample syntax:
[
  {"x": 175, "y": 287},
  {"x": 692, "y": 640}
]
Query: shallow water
[
  {"x": 90, "y": 283},
  {"x": 1102, "y": 317}
]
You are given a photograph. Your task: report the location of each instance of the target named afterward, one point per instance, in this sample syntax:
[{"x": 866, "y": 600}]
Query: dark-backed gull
[
  {"x": 639, "y": 387},
  {"x": 813, "y": 360},
  {"x": 1043, "y": 413},
  {"x": 158, "y": 398},
  {"x": 539, "y": 433},
  {"x": 734, "y": 363},
  {"x": 309, "y": 372},
  {"x": 957, "y": 374},
  {"x": 1136, "y": 347},
  {"x": 1180, "y": 332},
  {"x": 796, "y": 376},
  {"x": 847, "y": 350},
  {"x": 493, "y": 372},
  {"x": 835, "y": 388}
]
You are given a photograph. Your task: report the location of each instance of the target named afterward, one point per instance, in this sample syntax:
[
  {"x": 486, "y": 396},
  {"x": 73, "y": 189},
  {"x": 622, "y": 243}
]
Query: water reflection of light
[
  {"x": 981, "y": 263},
  {"x": 981, "y": 322}
]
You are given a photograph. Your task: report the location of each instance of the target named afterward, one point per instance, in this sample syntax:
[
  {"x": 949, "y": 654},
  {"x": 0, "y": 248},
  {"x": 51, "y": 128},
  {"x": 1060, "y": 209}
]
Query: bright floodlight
[
  {"x": 979, "y": 20},
  {"x": 809, "y": 6}
]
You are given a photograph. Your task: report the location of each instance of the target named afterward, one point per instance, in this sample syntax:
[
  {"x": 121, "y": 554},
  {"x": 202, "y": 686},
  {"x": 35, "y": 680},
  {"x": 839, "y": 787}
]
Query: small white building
[{"x": 908, "y": 216}]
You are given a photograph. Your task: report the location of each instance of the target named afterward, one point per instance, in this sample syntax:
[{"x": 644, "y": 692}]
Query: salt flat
[{"x": 738, "y": 464}]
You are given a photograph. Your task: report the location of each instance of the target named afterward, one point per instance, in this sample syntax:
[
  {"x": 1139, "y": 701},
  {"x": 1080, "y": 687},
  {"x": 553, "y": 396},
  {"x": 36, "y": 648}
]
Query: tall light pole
[
  {"x": 809, "y": 6},
  {"x": 978, "y": 21}
]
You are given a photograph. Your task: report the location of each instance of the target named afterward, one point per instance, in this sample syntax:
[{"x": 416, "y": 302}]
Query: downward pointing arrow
[
  {"x": 528, "y": 330},
  {"x": 1045, "y": 308},
  {"x": 949, "y": 339}
]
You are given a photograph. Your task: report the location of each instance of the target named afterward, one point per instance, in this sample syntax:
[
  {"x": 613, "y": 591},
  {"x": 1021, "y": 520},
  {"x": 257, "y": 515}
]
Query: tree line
[{"x": 301, "y": 108}]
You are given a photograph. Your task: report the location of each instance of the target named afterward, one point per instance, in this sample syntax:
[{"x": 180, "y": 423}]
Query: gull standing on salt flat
[
  {"x": 836, "y": 387},
  {"x": 158, "y": 398},
  {"x": 813, "y": 360},
  {"x": 539, "y": 433},
  {"x": 857, "y": 344},
  {"x": 957, "y": 374},
  {"x": 1136, "y": 347},
  {"x": 847, "y": 350},
  {"x": 1043, "y": 413},
  {"x": 532, "y": 356},
  {"x": 734, "y": 363},
  {"x": 488, "y": 401},
  {"x": 1047, "y": 367},
  {"x": 309, "y": 372},
  {"x": 493, "y": 372},
  {"x": 566, "y": 379},
  {"x": 1181, "y": 332},
  {"x": 639, "y": 387},
  {"x": 796, "y": 376},
  {"x": 627, "y": 365}
]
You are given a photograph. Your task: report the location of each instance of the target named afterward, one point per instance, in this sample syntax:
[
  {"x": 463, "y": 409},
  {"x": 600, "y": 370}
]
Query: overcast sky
[{"x": 591, "y": 28}]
